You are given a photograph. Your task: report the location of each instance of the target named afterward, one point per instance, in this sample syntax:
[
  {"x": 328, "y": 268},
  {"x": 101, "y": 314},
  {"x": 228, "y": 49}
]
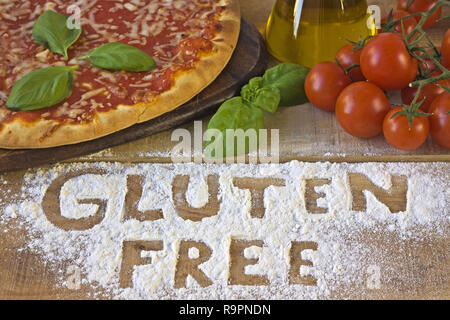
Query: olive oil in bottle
[{"x": 310, "y": 31}]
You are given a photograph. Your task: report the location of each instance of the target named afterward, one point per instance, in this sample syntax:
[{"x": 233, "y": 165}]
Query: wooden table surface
[{"x": 306, "y": 134}]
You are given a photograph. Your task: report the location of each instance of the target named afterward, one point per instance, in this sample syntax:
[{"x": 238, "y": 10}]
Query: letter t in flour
[{"x": 257, "y": 186}]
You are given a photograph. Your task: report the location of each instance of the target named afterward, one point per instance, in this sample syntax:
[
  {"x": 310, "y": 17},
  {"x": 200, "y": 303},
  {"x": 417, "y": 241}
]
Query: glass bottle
[{"x": 310, "y": 31}]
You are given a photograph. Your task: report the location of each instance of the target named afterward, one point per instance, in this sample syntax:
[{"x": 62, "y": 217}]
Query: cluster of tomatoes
[{"x": 355, "y": 85}]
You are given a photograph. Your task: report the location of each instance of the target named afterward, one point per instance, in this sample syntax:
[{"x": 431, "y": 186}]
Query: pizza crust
[{"x": 20, "y": 134}]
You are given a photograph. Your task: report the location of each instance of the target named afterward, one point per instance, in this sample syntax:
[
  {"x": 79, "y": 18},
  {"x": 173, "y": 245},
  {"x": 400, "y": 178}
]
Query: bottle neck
[
  {"x": 333, "y": 4},
  {"x": 324, "y": 10}
]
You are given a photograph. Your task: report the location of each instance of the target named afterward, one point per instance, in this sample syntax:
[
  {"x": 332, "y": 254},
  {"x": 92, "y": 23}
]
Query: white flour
[{"x": 339, "y": 262}]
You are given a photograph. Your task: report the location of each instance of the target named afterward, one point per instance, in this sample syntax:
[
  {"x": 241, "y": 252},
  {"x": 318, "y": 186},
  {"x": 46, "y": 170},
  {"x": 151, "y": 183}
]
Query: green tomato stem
[{"x": 425, "y": 16}]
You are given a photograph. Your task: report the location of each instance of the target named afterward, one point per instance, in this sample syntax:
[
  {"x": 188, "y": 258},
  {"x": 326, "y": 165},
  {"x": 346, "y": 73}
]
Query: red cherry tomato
[
  {"x": 422, "y": 6},
  {"x": 402, "y": 5},
  {"x": 397, "y": 132},
  {"x": 428, "y": 92},
  {"x": 446, "y": 49},
  {"x": 324, "y": 83},
  {"x": 386, "y": 62},
  {"x": 440, "y": 120},
  {"x": 428, "y": 65},
  {"x": 408, "y": 24},
  {"x": 360, "y": 109},
  {"x": 347, "y": 57}
]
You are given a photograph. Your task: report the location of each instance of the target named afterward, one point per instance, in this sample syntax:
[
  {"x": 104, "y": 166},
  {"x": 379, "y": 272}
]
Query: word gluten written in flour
[{"x": 201, "y": 202}]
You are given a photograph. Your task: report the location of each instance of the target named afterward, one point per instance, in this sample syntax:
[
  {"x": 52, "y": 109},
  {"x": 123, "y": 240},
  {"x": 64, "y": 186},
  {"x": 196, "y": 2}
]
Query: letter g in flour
[{"x": 52, "y": 209}]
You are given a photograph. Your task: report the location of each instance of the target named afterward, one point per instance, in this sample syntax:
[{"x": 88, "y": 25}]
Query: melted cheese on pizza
[{"x": 174, "y": 32}]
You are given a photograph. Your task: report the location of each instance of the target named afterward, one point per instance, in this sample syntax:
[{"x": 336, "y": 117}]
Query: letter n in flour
[
  {"x": 185, "y": 211},
  {"x": 394, "y": 198}
]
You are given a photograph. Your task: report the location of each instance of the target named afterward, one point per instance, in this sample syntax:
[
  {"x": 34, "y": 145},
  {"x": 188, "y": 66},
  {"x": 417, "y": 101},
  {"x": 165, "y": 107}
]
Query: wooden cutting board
[{"x": 249, "y": 60}]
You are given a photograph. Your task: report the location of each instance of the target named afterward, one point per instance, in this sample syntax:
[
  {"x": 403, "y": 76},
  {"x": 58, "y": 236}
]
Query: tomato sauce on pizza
[{"x": 176, "y": 33}]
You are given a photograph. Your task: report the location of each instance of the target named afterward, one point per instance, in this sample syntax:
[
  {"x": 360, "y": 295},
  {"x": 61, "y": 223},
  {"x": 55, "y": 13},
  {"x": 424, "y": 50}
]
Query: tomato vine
[
  {"x": 421, "y": 47},
  {"x": 414, "y": 45}
]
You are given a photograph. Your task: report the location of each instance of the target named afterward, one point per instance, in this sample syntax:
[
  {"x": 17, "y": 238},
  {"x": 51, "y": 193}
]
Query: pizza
[{"x": 191, "y": 42}]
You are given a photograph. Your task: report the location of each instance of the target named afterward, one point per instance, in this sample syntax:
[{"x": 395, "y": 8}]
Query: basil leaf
[
  {"x": 256, "y": 83},
  {"x": 267, "y": 99},
  {"x": 235, "y": 114},
  {"x": 119, "y": 56},
  {"x": 41, "y": 89},
  {"x": 249, "y": 91},
  {"x": 51, "y": 31},
  {"x": 289, "y": 78}
]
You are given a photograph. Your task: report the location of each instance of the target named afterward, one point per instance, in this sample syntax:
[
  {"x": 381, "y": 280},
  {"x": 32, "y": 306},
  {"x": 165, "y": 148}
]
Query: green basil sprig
[
  {"x": 119, "y": 56},
  {"x": 282, "y": 85},
  {"x": 235, "y": 114},
  {"x": 290, "y": 79},
  {"x": 41, "y": 88},
  {"x": 266, "y": 98},
  {"x": 51, "y": 31}
]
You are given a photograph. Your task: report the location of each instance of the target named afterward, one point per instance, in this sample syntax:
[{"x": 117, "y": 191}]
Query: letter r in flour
[{"x": 188, "y": 265}]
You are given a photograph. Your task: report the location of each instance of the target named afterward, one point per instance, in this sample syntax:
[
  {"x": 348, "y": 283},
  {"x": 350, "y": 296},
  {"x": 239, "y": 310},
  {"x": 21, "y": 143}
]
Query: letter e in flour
[
  {"x": 311, "y": 196},
  {"x": 295, "y": 255},
  {"x": 238, "y": 262}
]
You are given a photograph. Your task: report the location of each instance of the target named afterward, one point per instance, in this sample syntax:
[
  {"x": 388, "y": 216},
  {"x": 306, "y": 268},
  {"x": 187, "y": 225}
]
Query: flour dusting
[{"x": 341, "y": 260}]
